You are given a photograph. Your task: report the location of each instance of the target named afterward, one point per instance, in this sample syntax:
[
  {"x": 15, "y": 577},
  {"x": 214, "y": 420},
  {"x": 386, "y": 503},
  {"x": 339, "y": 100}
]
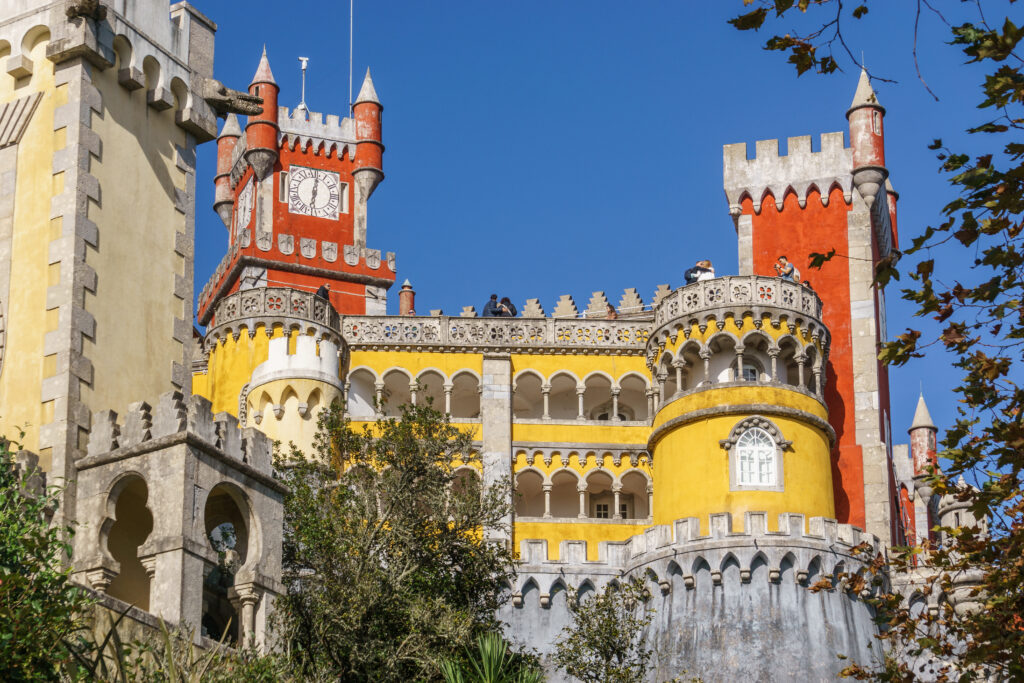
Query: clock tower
[{"x": 292, "y": 191}]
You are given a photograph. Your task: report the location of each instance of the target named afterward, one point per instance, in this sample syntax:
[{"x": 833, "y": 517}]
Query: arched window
[
  {"x": 755, "y": 450},
  {"x": 755, "y": 447}
]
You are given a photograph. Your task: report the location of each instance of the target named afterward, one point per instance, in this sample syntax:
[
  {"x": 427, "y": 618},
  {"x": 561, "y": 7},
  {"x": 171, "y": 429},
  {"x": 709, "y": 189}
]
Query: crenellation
[
  {"x": 137, "y": 423},
  {"x": 565, "y": 307},
  {"x": 104, "y": 434}
]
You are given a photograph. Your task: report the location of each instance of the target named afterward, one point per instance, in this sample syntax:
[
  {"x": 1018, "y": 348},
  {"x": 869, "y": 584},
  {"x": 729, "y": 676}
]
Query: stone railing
[
  {"x": 276, "y": 304},
  {"x": 722, "y": 293},
  {"x": 441, "y": 333}
]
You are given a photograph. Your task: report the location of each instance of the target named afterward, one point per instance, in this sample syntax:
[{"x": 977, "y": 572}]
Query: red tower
[
  {"x": 814, "y": 201},
  {"x": 292, "y": 191}
]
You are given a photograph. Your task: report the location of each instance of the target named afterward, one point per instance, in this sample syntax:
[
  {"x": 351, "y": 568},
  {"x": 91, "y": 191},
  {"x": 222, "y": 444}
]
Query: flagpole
[{"x": 350, "y": 15}]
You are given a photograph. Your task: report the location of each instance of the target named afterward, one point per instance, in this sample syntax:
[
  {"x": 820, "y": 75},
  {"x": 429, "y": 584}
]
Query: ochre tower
[
  {"x": 816, "y": 202},
  {"x": 292, "y": 191}
]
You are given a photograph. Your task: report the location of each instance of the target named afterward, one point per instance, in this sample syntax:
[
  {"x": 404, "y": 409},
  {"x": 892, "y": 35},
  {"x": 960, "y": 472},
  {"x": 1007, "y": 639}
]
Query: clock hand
[{"x": 312, "y": 200}]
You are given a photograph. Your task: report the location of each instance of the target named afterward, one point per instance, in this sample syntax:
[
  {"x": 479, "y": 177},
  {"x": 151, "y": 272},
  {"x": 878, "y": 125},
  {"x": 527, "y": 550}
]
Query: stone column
[
  {"x": 773, "y": 354},
  {"x": 739, "y": 363},
  {"x": 662, "y": 376},
  {"x": 547, "y": 500},
  {"x": 244, "y": 599},
  {"x": 545, "y": 390},
  {"x": 650, "y": 402},
  {"x": 615, "y": 404},
  {"x": 348, "y": 388},
  {"x": 496, "y": 426},
  {"x": 650, "y": 501},
  {"x": 413, "y": 387},
  {"x": 448, "y": 398},
  {"x": 379, "y": 396},
  {"x": 580, "y": 390},
  {"x": 617, "y": 489},
  {"x": 582, "y": 488},
  {"x": 706, "y": 355},
  {"x": 800, "y": 360},
  {"x": 679, "y": 375}
]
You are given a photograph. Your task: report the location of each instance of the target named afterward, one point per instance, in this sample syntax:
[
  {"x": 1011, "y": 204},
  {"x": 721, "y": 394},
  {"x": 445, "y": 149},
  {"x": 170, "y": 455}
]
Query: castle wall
[
  {"x": 726, "y": 606},
  {"x": 28, "y": 183},
  {"x": 142, "y": 304}
]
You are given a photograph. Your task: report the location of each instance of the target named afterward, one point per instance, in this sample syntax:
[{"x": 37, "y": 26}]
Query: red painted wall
[{"x": 796, "y": 233}]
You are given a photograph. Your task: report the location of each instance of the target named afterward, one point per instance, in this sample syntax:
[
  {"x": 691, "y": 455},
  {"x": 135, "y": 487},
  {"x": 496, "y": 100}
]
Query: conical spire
[
  {"x": 367, "y": 93},
  {"x": 263, "y": 72},
  {"x": 231, "y": 127},
  {"x": 865, "y": 95},
  {"x": 922, "y": 418}
]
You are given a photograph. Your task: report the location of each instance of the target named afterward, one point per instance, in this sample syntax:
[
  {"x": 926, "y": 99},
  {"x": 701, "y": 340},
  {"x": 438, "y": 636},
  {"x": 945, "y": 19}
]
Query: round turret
[
  {"x": 867, "y": 140},
  {"x": 740, "y": 422},
  {"x": 223, "y": 202},
  {"x": 261, "y": 129}
]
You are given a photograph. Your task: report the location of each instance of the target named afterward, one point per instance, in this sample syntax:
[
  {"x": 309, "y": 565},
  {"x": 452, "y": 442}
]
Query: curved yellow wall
[
  {"x": 692, "y": 469},
  {"x": 291, "y": 427},
  {"x": 230, "y": 366}
]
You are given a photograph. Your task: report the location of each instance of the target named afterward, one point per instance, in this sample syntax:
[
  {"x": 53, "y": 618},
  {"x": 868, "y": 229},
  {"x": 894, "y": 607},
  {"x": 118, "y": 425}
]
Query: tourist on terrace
[
  {"x": 506, "y": 309},
  {"x": 324, "y": 292},
  {"x": 701, "y": 271},
  {"x": 611, "y": 313},
  {"x": 786, "y": 270},
  {"x": 491, "y": 308}
]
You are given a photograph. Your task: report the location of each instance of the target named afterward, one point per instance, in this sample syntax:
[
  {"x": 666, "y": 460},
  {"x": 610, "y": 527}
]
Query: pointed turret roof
[
  {"x": 231, "y": 127},
  {"x": 922, "y": 418},
  {"x": 263, "y": 72},
  {"x": 865, "y": 95},
  {"x": 367, "y": 93}
]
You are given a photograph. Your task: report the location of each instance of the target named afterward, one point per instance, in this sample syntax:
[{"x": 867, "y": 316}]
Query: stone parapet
[
  {"x": 271, "y": 306},
  {"x": 179, "y": 419},
  {"x": 520, "y": 335}
]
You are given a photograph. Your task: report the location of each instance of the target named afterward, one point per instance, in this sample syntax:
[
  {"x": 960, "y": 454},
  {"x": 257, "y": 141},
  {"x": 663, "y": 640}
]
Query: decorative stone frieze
[
  {"x": 272, "y": 306},
  {"x": 446, "y": 333}
]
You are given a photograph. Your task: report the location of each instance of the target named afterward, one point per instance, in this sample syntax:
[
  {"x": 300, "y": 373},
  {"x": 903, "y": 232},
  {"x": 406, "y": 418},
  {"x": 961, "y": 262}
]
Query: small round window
[{"x": 755, "y": 451}]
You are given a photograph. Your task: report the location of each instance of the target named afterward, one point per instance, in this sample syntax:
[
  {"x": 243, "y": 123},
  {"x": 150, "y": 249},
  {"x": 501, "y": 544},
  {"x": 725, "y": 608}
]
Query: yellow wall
[
  {"x": 580, "y": 365},
  {"x": 692, "y": 469},
  {"x": 134, "y": 303},
  {"x": 230, "y": 366},
  {"x": 27, "y": 320},
  {"x": 448, "y": 363},
  {"x": 592, "y": 533}
]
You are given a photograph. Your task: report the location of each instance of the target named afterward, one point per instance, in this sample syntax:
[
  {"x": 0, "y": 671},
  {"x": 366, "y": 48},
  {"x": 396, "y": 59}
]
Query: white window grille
[{"x": 756, "y": 454}]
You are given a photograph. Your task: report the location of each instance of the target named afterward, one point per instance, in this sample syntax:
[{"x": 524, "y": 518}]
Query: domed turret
[
  {"x": 369, "y": 171},
  {"x": 261, "y": 130},
  {"x": 226, "y": 142},
  {"x": 867, "y": 138}
]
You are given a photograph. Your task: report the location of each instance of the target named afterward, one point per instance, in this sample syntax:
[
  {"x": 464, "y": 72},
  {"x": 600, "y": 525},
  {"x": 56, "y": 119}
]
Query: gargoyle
[
  {"x": 90, "y": 9},
  {"x": 226, "y": 101}
]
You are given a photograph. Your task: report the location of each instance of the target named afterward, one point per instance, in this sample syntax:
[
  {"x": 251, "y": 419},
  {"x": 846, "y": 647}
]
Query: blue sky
[{"x": 543, "y": 148}]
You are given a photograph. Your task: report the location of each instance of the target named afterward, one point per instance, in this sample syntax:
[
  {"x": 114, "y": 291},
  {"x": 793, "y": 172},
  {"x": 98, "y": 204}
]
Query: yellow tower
[{"x": 741, "y": 424}]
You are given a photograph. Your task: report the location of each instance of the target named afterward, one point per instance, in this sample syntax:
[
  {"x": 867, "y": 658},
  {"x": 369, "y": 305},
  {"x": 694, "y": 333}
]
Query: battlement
[
  {"x": 298, "y": 129},
  {"x": 313, "y": 359},
  {"x": 800, "y": 171},
  {"x": 631, "y": 305},
  {"x": 145, "y": 428}
]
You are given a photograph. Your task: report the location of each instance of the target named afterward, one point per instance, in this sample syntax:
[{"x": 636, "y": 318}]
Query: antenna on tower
[
  {"x": 350, "y": 15},
  {"x": 304, "y": 61}
]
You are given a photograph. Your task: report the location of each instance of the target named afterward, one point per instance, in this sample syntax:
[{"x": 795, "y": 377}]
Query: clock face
[
  {"x": 243, "y": 212},
  {"x": 313, "y": 192}
]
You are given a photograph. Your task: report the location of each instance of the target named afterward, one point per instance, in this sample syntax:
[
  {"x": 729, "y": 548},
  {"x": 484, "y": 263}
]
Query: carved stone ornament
[
  {"x": 224, "y": 100},
  {"x": 307, "y": 245},
  {"x": 391, "y": 261},
  {"x": 751, "y": 422},
  {"x": 373, "y": 258},
  {"x": 286, "y": 244},
  {"x": 351, "y": 254},
  {"x": 264, "y": 240},
  {"x": 330, "y": 251},
  {"x": 245, "y": 239}
]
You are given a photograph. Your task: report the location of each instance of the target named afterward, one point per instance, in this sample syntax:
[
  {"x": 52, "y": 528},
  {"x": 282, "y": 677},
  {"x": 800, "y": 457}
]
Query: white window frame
[{"x": 779, "y": 445}]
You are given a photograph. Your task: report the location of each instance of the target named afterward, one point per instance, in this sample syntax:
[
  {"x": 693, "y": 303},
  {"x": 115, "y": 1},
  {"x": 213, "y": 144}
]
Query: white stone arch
[
  {"x": 733, "y": 444},
  {"x": 635, "y": 488},
  {"x": 758, "y": 347},
  {"x": 465, "y": 394},
  {"x": 182, "y": 94},
  {"x": 396, "y": 390},
  {"x": 530, "y": 487},
  {"x": 430, "y": 387},
  {"x": 633, "y": 388},
  {"x": 565, "y": 496},
  {"x": 461, "y": 474},
  {"x": 360, "y": 391},
  {"x": 152, "y": 73},
  {"x": 688, "y": 365},
  {"x": 600, "y": 494},
  {"x": 666, "y": 377},
  {"x": 563, "y": 400},
  {"x": 528, "y": 394},
  {"x": 721, "y": 352},
  {"x": 597, "y": 395},
  {"x": 34, "y": 36},
  {"x": 791, "y": 350}
]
